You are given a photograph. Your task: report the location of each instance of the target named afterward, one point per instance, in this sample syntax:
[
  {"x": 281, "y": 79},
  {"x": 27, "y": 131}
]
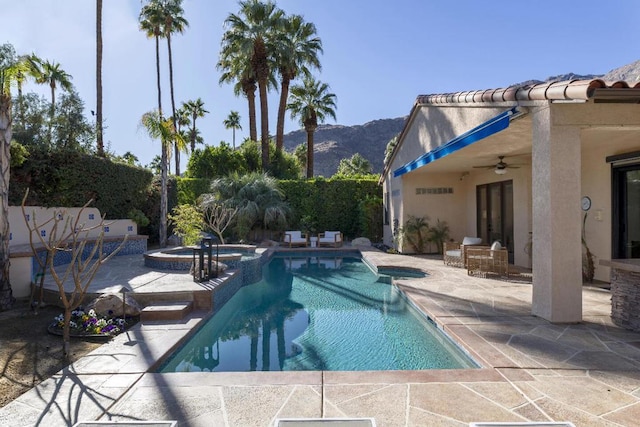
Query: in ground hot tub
[{"x": 181, "y": 258}]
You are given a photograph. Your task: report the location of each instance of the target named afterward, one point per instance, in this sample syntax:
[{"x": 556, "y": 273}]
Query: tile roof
[{"x": 549, "y": 91}]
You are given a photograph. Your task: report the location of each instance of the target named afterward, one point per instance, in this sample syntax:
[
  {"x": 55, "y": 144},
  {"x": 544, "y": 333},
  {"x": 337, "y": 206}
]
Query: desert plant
[
  {"x": 439, "y": 234},
  {"x": 188, "y": 223},
  {"x": 415, "y": 232},
  {"x": 137, "y": 216},
  {"x": 588, "y": 266},
  {"x": 68, "y": 234},
  {"x": 217, "y": 217},
  {"x": 308, "y": 225}
]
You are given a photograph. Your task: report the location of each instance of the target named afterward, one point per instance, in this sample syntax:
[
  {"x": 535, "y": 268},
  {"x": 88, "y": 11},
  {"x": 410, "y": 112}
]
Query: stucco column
[{"x": 557, "y": 248}]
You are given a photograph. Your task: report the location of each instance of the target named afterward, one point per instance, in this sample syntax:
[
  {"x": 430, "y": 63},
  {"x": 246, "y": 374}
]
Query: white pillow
[
  {"x": 471, "y": 241},
  {"x": 496, "y": 246}
]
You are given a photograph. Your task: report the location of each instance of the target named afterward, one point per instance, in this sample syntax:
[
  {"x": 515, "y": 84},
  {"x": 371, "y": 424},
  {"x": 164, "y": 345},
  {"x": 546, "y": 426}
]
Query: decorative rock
[
  {"x": 111, "y": 305},
  {"x": 174, "y": 240},
  {"x": 361, "y": 241},
  {"x": 221, "y": 267}
]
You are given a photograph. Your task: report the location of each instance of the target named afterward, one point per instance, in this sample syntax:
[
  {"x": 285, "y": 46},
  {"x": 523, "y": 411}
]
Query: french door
[
  {"x": 626, "y": 211},
  {"x": 495, "y": 214}
]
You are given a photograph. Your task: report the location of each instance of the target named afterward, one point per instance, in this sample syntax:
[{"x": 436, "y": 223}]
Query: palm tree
[
  {"x": 250, "y": 34},
  {"x": 159, "y": 128},
  {"x": 194, "y": 137},
  {"x": 99, "y": 141},
  {"x": 174, "y": 22},
  {"x": 355, "y": 165},
  {"x": 24, "y": 70},
  {"x": 8, "y": 75},
  {"x": 182, "y": 120},
  {"x": 233, "y": 122},
  {"x": 194, "y": 109},
  {"x": 298, "y": 48},
  {"x": 259, "y": 201},
  {"x": 236, "y": 68},
  {"x": 50, "y": 73},
  {"x": 151, "y": 21},
  {"x": 311, "y": 103}
]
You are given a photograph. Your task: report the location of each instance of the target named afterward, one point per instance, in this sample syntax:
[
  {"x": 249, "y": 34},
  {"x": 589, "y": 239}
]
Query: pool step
[{"x": 166, "y": 311}]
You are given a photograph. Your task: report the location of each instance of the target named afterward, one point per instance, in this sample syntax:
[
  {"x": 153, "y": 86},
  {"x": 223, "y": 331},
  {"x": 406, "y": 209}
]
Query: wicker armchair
[
  {"x": 483, "y": 261},
  {"x": 455, "y": 252}
]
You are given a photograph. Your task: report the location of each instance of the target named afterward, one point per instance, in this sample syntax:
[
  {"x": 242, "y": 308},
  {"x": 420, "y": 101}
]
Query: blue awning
[{"x": 488, "y": 128}]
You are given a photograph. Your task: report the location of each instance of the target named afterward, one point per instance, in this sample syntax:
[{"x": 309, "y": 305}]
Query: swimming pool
[{"x": 317, "y": 313}]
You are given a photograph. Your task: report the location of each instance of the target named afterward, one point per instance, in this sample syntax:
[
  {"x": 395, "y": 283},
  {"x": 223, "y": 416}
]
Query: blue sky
[{"x": 378, "y": 55}]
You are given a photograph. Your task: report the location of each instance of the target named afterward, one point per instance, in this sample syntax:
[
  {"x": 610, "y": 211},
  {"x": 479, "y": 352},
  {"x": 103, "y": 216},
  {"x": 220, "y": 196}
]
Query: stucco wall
[
  {"x": 90, "y": 217},
  {"x": 429, "y": 128}
]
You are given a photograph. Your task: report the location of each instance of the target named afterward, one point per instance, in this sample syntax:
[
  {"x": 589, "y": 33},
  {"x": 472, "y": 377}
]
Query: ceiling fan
[{"x": 500, "y": 168}]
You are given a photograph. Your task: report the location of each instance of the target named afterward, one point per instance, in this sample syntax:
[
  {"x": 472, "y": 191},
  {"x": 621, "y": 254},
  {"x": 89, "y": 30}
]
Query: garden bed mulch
[{"x": 28, "y": 353}]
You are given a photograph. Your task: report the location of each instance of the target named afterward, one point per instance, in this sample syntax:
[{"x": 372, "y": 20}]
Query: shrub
[{"x": 187, "y": 223}]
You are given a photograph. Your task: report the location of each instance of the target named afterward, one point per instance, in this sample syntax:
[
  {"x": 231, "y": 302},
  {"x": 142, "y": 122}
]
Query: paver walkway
[{"x": 587, "y": 373}]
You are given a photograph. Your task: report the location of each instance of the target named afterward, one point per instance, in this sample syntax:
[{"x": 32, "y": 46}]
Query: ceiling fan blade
[{"x": 485, "y": 167}]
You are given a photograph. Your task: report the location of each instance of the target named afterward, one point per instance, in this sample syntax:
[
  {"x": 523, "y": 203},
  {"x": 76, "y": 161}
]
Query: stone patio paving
[{"x": 587, "y": 373}]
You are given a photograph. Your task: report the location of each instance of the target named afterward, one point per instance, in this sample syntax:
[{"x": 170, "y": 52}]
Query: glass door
[
  {"x": 626, "y": 212},
  {"x": 495, "y": 214}
]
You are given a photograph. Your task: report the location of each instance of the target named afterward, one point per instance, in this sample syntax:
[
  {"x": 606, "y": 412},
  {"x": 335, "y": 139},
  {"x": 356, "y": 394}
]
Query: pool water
[{"x": 317, "y": 314}]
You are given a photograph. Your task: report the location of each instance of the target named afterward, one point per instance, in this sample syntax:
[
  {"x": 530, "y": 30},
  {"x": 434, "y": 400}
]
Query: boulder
[
  {"x": 221, "y": 267},
  {"x": 361, "y": 241},
  {"x": 111, "y": 305},
  {"x": 174, "y": 240}
]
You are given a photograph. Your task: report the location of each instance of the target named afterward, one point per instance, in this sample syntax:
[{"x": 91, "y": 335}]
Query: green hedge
[
  {"x": 64, "y": 178},
  {"x": 352, "y": 206},
  {"x": 334, "y": 204},
  {"x": 70, "y": 178},
  {"x": 189, "y": 189}
]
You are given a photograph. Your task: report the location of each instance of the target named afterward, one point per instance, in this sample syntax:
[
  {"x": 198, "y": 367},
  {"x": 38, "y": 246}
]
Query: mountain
[
  {"x": 336, "y": 142},
  {"x": 630, "y": 73},
  {"x": 333, "y": 143}
]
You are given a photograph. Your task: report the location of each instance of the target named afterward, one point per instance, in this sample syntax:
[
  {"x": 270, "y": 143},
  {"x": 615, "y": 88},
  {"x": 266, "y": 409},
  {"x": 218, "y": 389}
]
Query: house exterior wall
[
  {"x": 605, "y": 130},
  {"x": 445, "y": 206},
  {"x": 521, "y": 179},
  {"x": 430, "y": 127}
]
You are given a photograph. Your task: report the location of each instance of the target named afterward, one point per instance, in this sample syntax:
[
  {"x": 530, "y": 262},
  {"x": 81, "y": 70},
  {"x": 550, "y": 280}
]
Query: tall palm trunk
[
  {"x": 173, "y": 103},
  {"x": 99, "y": 141},
  {"x": 234, "y": 139},
  {"x": 158, "y": 74},
  {"x": 262, "y": 73},
  {"x": 6, "y": 294},
  {"x": 163, "y": 160},
  {"x": 282, "y": 109},
  {"x": 52, "y": 110},
  {"x": 194, "y": 116},
  {"x": 310, "y": 128},
  {"x": 20, "y": 98},
  {"x": 264, "y": 125},
  {"x": 249, "y": 88}
]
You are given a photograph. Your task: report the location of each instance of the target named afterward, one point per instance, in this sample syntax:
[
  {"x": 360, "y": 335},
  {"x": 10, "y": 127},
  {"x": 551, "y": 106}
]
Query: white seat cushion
[
  {"x": 294, "y": 237},
  {"x": 331, "y": 236},
  {"x": 454, "y": 253}
]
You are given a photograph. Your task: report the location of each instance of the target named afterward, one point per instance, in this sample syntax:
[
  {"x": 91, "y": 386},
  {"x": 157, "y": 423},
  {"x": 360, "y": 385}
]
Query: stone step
[{"x": 166, "y": 311}]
